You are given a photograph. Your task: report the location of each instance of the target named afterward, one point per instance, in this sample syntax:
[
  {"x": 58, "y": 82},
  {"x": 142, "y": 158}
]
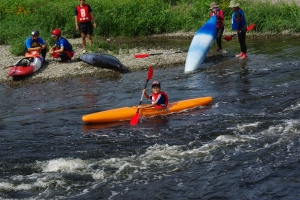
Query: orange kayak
[{"x": 126, "y": 113}]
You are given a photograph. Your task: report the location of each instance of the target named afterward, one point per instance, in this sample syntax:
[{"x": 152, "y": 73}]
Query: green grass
[{"x": 131, "y": 18}]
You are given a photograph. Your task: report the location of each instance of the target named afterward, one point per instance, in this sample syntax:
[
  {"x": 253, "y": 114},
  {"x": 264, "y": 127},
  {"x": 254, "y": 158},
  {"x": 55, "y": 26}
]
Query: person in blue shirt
[
  {"x": 62, "y": 48},
  {"x": 239, "y": 25},
  {"x": 35, "y": 43}
]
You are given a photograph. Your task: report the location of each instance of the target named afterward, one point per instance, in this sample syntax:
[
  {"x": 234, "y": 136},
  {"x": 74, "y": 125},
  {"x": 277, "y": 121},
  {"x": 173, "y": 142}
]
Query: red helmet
[{"x": 56, "y": 32}]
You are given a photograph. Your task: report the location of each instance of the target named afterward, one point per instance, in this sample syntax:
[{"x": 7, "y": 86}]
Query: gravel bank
[{"x": 55, "y": 70}]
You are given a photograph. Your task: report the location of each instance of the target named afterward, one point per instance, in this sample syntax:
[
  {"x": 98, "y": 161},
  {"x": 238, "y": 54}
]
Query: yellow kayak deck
[{"x": 126, "y": 113}]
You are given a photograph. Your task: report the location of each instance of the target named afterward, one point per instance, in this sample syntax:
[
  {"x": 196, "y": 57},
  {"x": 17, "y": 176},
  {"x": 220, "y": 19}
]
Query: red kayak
[{"x": 27, "y": 65}]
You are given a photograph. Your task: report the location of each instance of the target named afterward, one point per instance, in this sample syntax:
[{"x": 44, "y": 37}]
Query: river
[{"x": 245, "y": 145}]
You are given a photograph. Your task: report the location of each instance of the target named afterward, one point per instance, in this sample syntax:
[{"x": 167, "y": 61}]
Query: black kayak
[{"x": 103, "y": 60}]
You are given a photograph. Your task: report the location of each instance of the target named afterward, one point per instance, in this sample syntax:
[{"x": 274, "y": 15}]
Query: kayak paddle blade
[
  {"x": 150, "y": 74},
  {"x": 135, "y": 119},
  {"x": 142, "y": 55},
  {"x": 249, "y": 28},
  {"x": 228, "y": 38}
]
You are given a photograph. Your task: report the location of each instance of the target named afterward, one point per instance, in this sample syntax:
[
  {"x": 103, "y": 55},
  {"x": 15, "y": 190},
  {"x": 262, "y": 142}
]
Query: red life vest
[
  {"x": 83, "y": 14},
  {"x": 56, "y": 54},
  {"x": 220, "y": 17},
  {"x": 155, "y": 96}
]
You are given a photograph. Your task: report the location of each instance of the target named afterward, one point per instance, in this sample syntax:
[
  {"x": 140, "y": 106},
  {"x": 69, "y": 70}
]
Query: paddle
[
  {"x": 14, "y": 64},
  {"x": 30, "y": 54},
  {"x": 144, "y": 55},
  {"x": 229, "y": 37},
  {"x": 8, "y": 66},
  {"x": 135, "y": 119}
]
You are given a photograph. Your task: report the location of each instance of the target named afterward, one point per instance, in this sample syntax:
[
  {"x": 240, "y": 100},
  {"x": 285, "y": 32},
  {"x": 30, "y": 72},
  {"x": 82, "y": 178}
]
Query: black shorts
[{"x": 86, "y": 27}]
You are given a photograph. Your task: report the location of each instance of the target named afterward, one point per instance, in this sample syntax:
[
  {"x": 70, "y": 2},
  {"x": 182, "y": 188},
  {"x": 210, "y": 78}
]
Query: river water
[{"x": 245, "y": 145}]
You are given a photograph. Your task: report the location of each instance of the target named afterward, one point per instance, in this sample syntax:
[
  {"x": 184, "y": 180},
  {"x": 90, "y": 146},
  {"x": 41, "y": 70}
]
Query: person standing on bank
[
  {"x": 214, "y": 10},
  {"x": 239, "y": 24},
  {"x": 83, "y": 21},
  {"x": 35, "y": 43}
]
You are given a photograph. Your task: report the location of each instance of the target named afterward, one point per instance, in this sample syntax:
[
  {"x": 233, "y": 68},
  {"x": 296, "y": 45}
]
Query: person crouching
[{"x": 62, "y": 48}]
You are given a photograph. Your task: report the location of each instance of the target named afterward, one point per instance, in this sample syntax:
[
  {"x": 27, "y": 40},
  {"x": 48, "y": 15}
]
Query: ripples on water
[{"x": 245, "y": 145}]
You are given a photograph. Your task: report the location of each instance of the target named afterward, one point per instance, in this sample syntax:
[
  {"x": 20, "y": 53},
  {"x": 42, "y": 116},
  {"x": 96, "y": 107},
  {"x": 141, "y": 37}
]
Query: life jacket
[
  {"x": 235, "y": 20},
  {"x": 83, "y": 14},
  {"x": 65, "y": 48},
  {"x": 220, "y": 17},
  {"x": 34, "y": 43},
  {"x": 155, "y": 97},
  {"x": 69, "y": 51}
]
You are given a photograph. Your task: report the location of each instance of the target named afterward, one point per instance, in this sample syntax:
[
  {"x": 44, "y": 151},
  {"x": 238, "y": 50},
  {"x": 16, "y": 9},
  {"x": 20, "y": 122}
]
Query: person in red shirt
[
  {"x": 214, "y": 10},
  {"x": 83, "y": 21}
]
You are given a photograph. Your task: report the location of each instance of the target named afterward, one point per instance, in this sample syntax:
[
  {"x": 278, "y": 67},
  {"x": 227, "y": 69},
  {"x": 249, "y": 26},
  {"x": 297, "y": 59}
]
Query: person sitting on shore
[
  {"x": 36, "y": 43},
  {"x": 62, "y": 48},
  {"x": 159, "y": 99}
]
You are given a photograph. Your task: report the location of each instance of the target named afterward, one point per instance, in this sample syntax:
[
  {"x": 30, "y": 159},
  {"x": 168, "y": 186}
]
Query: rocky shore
[{"x": 54, "y": 70}]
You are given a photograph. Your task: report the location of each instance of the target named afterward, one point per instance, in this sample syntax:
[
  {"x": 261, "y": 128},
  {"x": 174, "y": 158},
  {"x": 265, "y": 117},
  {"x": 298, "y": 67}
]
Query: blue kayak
[{"x": 200, "y": 45}]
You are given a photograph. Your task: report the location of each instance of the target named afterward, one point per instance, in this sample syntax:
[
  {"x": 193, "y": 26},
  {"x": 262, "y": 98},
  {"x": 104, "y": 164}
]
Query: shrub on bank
[{"x": 132, "y": 18}]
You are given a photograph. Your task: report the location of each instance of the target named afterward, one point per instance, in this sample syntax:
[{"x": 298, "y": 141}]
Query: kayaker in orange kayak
[{"x": 159, "y": 99}]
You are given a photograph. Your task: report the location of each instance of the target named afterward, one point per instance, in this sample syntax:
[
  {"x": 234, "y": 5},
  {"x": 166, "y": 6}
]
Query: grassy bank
[{"x": 132, "y": 18}]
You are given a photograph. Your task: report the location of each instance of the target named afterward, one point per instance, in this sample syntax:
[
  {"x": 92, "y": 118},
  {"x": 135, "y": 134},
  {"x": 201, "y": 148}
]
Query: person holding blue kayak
[
  {"x": 214, "y": 10},
  {"x": 239, "y": 25},
  {"x": 159, "y": 99},
  {"x": 36, "y": 43},
  {"x": 62, "y": 48}
]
